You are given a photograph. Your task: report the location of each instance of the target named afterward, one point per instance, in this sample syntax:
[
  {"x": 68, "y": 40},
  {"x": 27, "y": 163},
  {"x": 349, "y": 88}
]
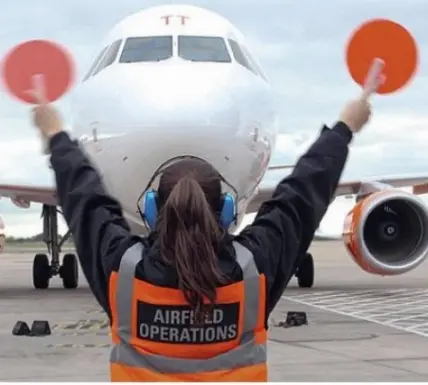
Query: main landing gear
[
  {"x": 43, "y": 270},
  {"x": 306, "y": 272}
]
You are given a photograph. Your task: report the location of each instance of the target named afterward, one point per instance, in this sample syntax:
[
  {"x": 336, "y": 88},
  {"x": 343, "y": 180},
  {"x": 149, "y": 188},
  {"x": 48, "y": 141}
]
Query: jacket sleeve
[
  {"x": 101, "y": 234},
  {"x": 285, "y": 224}
]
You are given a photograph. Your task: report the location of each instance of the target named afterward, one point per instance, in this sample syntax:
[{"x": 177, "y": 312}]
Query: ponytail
[{"x": 189, "y": 235}]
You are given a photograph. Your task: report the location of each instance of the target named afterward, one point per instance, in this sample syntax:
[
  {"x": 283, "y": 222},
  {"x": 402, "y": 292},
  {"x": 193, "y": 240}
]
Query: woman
[{"x": 191, "y": 302}]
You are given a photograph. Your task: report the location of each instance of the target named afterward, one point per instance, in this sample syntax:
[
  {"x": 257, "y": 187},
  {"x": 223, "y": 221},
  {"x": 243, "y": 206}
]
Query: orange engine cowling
[{"x": 387, "y": 232}]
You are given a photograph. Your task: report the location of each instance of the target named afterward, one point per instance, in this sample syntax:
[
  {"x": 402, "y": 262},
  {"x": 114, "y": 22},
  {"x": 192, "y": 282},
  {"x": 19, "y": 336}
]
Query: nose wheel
[
  {"x": 69, "y": 271},
  {"x": 43, "y": 269},
  {"x": 306, "y": 272}
]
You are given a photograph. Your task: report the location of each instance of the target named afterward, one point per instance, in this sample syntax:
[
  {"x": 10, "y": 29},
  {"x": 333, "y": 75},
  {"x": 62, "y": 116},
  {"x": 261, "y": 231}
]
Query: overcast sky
[{"x": 301, "y": 46}]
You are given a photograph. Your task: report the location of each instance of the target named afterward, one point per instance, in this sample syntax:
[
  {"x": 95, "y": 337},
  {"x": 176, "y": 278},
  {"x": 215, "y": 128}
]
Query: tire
[
  {"x": 306, "y": 272},
  {"x": 70, "y": 271},
  {"x": 41, "y": 271}
]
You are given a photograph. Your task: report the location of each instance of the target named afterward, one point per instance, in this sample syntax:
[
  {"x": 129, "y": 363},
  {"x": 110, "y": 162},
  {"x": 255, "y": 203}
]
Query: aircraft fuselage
[{"x": 171, "y": 89}]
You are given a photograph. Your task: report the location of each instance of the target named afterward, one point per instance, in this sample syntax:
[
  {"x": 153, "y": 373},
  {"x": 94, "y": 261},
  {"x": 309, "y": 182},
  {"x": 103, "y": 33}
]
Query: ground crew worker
[{"x": 191, "y": 302}]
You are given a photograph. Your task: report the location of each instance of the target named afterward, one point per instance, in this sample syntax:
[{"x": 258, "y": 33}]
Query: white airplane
[
  {"x": 331, "y": 226},
  {"x": 179, "y": 80}
]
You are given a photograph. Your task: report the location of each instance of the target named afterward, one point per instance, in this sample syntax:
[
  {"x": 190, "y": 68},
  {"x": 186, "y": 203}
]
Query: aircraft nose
[{"x": 181, "y": 95}]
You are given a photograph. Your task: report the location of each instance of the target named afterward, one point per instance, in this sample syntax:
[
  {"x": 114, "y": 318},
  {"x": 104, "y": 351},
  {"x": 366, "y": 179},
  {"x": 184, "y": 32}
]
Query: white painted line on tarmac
[{"x": 404, "y": 325}]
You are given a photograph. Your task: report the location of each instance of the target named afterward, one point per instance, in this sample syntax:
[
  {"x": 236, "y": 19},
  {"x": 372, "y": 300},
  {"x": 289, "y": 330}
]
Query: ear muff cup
[
  {"x": 149, "y": 209},
  {"x": 227, "y": 213}
]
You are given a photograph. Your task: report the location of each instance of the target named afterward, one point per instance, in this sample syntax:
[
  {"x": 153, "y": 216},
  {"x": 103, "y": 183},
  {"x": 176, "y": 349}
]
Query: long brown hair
[{"x": 189, "y": 230}]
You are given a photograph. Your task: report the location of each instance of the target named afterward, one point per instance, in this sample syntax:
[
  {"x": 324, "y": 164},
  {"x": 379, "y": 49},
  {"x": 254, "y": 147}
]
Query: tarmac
[{"x": 360, "y": 327}]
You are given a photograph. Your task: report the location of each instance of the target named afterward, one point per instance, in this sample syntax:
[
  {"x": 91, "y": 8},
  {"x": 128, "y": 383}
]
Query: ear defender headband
[{"x": 148, "y": 203}]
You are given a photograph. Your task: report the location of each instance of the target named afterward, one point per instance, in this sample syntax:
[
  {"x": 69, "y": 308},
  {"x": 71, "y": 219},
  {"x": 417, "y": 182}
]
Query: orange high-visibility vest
[{"x": 155, "y": 338}]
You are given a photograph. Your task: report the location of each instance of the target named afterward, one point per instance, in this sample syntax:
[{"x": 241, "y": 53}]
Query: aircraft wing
[
  {"x": 351, "y": 187},
  {"x": 23, "y": 195}
]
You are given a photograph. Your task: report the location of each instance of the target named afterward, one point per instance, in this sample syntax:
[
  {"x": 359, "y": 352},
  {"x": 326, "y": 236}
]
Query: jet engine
[
  {"x": 22, "y": 204},
  {"x": 386, "y": 233}
]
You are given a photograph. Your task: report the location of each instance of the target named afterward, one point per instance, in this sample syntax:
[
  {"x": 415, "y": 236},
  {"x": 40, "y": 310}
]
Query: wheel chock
[
  {"x": 21, "y": 329},
  {"x": 40, "y": 328},
  {"x": 296, "y": 318}
]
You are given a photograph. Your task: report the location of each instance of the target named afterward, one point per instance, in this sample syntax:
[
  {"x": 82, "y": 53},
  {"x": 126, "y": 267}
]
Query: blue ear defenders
[
  {"x": 228, "y": 210},
  {"x": 148, "y": 205},
  {"x": 149, "y": 209}
]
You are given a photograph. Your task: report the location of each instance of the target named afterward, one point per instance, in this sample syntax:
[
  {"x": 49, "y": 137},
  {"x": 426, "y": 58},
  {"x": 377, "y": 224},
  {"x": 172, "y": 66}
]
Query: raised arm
[
  {"x": 101, "y": 234},
  {"x": 285, "y": 224}
]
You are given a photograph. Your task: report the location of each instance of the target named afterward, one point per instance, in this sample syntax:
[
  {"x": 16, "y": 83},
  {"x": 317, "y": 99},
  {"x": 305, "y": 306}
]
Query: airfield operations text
[{"x": 176, "y": 325}]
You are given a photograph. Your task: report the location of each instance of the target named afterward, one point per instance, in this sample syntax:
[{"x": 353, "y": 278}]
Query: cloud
[
  {"x": 391, "y": 143},
  {"x": 301, "y": 48}
]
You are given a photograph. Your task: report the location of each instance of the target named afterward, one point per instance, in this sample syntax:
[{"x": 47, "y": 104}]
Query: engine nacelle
[
  {"x": 387, "y": 232},
  {"x": 22, "y": 204}
]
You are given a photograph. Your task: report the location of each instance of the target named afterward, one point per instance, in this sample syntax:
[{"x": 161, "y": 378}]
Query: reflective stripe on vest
[{"x": 247, "y": 353}]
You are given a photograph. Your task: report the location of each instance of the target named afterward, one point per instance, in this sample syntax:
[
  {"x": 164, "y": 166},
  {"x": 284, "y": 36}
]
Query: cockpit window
[
  {"x": 241, "y": 58},
  {"x": 203, "y": 49},
  {"x": 252, "y": 61},
  {"x": 109, "y": 57},
  {"x": 95, "y": 63},
  {"x": 146, "y": 49},
  {"x": 239, "y": 55}
]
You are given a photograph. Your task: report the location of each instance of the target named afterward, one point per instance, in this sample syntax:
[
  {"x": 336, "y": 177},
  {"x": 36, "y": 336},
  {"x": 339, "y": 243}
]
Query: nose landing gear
[{"x": 43, "y": 270}]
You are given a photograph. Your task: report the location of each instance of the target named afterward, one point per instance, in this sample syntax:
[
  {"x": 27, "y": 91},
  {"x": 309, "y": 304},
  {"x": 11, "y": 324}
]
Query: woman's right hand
[{"x": 356, "y": 114}]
